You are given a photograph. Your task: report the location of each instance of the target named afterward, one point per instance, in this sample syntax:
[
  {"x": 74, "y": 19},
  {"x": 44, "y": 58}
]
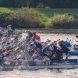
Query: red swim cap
[{"x": 37, "y": 37}]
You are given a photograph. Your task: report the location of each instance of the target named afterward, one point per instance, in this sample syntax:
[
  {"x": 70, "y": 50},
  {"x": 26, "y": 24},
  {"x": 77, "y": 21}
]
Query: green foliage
[
  {"x": 25, "y": 17},
  {"x": 3, "y": 19},
  {"x": 7, "y": 10},
  {"x": 49, "y": 12},
  {"x": 62, "y": 21},
  {"x": 39, "y": 17}
]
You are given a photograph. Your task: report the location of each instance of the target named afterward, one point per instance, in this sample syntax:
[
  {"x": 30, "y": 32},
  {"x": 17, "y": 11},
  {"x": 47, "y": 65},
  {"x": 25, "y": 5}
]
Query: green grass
[
  {"x": 45, "y": 16},
  {"x": 50, "y": 12},
  {"x": 45, "y": 13},
  {"x": 7, "y": 10}
]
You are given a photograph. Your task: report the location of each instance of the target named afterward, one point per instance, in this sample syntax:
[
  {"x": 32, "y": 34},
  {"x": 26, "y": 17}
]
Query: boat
[
  {"x": 73, "y": 53},
  {"x": 64, "y": 64},
  {"x": 54, "y": 66}
]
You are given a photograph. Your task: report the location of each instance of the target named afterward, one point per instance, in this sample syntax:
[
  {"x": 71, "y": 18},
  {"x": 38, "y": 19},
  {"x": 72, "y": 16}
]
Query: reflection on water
[{"x": 73, "y": 73}]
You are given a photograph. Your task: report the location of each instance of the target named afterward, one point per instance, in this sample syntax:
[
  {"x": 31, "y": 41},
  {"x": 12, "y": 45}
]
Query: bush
[
  {"x": 25, "y": 18},
  {"x": 3, "y": 19},
  {"x": 29, "y": 18},
  {"x": 61, "y": 21}
]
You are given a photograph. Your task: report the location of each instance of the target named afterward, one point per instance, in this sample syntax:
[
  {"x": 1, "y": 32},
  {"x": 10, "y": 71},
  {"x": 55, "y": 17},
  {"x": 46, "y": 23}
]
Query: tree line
[{"x": 39, "y": 3}]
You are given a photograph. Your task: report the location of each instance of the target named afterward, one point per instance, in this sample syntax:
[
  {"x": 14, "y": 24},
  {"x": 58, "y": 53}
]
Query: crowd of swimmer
[{"x": 30, "y": 51}]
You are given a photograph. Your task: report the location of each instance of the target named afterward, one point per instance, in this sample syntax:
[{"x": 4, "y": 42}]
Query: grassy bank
[
  {"x": 48, "y": 12},
  {"x": 39, "y": 17},
  {"x": 7, "y": 10}
]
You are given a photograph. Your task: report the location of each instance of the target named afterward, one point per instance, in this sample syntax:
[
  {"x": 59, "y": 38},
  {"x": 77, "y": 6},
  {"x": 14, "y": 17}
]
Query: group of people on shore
[{"x": 30, "y": 51}]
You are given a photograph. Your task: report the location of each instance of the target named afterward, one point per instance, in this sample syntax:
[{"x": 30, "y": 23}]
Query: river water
[
  {"x": 54, "y": 37},
  {"x": 45, "y": 73}
]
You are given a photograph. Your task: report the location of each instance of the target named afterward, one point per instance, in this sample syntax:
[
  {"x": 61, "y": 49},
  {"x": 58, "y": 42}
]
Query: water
[
  {"x": 40, "y": 74},
  {"x": 45, "y": 73},
  {"x": 54, "y": 37}
]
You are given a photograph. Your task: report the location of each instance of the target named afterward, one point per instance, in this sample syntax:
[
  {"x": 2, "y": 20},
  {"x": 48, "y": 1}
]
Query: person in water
[
  {"x": 36, "y": 36},
  {"x": 64, "y": 46}
]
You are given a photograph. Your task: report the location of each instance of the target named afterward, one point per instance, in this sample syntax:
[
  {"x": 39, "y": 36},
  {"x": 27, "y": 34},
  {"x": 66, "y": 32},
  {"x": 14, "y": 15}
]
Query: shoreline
[{"x": 42, "y": 30}]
